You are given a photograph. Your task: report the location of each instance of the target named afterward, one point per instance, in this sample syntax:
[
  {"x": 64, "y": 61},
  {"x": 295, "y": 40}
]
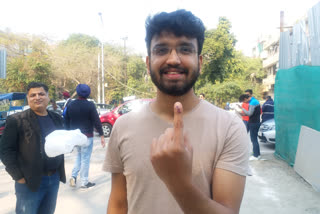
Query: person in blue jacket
[
  {"x": 82, "y": 114},
  {"x": 254, "y": 123},
  {"x": 267, "y": 109}
]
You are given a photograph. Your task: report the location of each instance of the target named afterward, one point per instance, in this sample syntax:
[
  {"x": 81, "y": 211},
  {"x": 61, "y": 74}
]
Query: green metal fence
[{"x": 297, "y": 102}]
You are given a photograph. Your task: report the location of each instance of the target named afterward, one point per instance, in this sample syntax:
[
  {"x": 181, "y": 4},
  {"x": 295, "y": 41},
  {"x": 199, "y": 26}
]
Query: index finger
[{"x": 178, "y": 123}]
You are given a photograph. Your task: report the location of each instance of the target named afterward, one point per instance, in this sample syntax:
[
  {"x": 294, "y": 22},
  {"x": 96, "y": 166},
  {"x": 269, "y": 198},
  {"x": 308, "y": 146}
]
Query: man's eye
[
  {"x": 186, "y": 50},
  {"x": 161, "y": 51}
]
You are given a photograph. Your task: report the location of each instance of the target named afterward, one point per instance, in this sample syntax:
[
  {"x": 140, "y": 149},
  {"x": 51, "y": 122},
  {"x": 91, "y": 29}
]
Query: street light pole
[
  {"x": 102, "y": 61},
  {"x": 99, "y": 83}
]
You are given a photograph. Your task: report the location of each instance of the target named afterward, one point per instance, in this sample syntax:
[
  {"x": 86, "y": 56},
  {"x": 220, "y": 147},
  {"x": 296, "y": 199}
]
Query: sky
[{"x": 57, "y": 19}]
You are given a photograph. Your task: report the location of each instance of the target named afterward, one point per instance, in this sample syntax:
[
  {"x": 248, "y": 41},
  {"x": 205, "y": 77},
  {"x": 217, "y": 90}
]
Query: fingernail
[{"x": 178, "y": 109}]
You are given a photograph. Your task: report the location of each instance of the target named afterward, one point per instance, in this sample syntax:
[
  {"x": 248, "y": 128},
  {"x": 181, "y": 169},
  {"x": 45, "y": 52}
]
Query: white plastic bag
[{"x": 62, "y": 141}]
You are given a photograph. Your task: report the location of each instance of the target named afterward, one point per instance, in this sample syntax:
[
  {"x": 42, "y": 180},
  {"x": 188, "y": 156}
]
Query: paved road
[{"x": 273, "y": 188}]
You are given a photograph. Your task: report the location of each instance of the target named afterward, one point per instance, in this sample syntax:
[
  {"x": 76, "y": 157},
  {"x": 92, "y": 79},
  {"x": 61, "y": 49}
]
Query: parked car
[
  {"x": 267, "y": 132},
  {"x": 58, "y": 110},
  {"x": 10, "y": 103},
  {"x": 2, "y": 126},
  {"x": 103, "y": 108},
  {"x": 108, "y": 119}
]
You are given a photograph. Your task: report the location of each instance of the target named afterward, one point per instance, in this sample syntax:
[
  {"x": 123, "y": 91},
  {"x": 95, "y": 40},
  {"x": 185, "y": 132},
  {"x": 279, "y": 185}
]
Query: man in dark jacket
[
  {"x": 82, "y": 114},
  {"x": 22, "y": 152},
  {"x": 254, "y": 123},
  {"x": 267, "y": 109}
]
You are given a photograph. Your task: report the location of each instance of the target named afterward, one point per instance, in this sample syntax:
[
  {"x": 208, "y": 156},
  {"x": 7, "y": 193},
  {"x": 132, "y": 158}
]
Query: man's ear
[
  {"x": 148, "y": 64},
  {"x": 200, "y": 64}
]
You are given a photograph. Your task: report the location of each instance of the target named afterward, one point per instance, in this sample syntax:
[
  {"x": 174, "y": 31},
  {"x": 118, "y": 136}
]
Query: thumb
[{"x": 178, "y": 123}]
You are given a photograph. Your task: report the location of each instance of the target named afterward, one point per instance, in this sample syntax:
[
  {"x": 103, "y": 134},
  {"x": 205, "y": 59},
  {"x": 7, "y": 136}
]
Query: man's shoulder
[
  {"x": 254, "y": 101},
  {"x": 138, "y": 116},
  {"x": 19, "y": 115}
]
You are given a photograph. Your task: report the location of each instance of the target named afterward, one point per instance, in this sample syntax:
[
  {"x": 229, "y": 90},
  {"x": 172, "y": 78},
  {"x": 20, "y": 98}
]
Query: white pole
[
  {"x": 99, "y": 96},
  {"x": 102, "y": 77},
  {"x": 102, "y": 60}
]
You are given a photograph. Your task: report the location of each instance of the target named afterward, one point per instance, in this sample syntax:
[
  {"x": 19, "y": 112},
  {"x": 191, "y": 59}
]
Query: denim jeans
[
  {"x": 41, "y": 202},
  {"x": 246, "y": 124},
  {"x": 83, "y": 162},
  {"x": 254, "y": 128}
]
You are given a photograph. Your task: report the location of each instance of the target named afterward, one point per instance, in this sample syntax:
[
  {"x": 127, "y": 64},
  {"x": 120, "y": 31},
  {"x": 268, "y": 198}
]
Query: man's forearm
[
  {"x": 191, "y": 200},
  {"x": 117, "y": 208}
]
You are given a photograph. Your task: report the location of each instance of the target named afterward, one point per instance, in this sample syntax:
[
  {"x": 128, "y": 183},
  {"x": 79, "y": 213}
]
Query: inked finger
[{"x": 178, "y": 123}]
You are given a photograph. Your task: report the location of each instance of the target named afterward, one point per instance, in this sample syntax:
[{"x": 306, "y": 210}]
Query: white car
[{"x": 267, "y": 132}]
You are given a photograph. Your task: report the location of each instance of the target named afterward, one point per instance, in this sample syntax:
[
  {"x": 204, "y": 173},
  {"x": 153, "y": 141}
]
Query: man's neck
[{"x": 163, "y": 105}]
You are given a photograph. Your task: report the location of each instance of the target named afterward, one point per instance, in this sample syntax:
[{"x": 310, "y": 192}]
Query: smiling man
[
  {"x": 180, "y": 154},
  {"x": 22, "y": 152}
]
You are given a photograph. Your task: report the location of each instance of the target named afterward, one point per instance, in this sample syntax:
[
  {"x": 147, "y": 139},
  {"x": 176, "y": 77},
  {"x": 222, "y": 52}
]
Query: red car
[{"x": 109, "y": 118}]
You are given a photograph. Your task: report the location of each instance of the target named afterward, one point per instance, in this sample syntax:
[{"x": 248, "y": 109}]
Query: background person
[
  {"x": 267, "y": 109},
  {"x": 202, "y": 96},
  {"x": 82, "y": 114},
  {"x": 178, "y": 154},
  {"x": 244, "y": 99},
  {"x": 22, "y": 152},
  {"x": 254, "y": 123}
]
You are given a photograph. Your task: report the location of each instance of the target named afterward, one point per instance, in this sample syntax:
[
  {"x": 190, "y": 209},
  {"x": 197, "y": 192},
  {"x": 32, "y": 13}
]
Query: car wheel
[{"x": 106, "y": 128}]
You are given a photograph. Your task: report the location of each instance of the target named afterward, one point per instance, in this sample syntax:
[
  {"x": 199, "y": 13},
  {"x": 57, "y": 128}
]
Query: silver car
[{"x": 267, "y": 132}]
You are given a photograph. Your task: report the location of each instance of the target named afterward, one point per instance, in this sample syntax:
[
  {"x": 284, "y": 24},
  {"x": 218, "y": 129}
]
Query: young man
[
  {"x": 254, "y": 123},
  {"x": 22, "y": 152},
  {"x": 179, "y": 154},
  {"x": 82, "y": 114}
]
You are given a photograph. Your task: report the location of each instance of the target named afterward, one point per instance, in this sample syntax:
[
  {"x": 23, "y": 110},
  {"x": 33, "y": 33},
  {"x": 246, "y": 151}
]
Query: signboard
[{"x": 3, "y": 63}]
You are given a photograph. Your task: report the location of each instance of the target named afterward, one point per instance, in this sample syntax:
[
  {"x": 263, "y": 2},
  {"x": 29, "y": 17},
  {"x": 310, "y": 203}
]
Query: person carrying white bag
[{"x": 82, "y": 114}]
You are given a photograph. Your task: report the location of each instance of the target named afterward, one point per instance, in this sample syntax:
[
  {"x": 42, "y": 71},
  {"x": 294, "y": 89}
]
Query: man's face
[
  {"x": 38, "y": 99},
  {"x": 247, "y": 93},
  {"x": 174, "y": 64}
]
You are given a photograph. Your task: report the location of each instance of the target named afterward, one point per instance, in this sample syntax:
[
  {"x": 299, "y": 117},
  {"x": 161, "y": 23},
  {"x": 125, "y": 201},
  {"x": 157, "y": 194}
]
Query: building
[{"x": 268, "y": 50}]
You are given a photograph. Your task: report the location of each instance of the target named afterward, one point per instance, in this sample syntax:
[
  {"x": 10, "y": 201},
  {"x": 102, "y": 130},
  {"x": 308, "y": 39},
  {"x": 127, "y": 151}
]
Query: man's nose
[{"x": 173, "y": 57}]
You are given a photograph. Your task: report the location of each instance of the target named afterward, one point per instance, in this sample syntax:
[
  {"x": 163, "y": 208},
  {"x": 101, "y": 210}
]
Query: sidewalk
[{"x": 276, "y": 188}]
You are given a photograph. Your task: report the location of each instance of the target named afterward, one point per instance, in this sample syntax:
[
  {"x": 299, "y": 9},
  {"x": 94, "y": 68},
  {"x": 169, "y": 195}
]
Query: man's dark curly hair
[{"x": 179, "y": 22}]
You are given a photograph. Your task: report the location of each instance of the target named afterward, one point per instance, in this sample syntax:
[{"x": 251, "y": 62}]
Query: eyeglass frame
[{"x": 156, "y": 50}]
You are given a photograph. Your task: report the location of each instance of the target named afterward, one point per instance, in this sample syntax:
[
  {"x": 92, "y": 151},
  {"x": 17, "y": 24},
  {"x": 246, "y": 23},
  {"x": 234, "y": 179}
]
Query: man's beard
[{"x": 174, "y": 89}]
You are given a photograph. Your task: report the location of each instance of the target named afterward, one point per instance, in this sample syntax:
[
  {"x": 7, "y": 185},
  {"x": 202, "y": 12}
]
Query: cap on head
[
  {"x": 66, "y": 94},
  {"x": 83, "y": 90}
]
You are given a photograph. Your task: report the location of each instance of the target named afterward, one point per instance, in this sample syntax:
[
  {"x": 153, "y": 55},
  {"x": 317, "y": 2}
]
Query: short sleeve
[
  {"x": 235, "y": 154},
  {"x": 112, "y": 162}
]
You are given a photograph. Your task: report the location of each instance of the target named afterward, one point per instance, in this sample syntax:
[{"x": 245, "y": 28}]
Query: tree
[
  {"x": 219, "y": 56},
  {"x": 74, "y": 62},
  {"x": 27, "y": 63}
]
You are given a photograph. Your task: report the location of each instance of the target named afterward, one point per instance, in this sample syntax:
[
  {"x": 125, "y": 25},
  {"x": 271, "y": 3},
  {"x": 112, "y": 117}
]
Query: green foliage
[
  {"x": 21, "y": 70},
  {"x": 219, "y": 56},
  {"x": 88, "y": 41}
]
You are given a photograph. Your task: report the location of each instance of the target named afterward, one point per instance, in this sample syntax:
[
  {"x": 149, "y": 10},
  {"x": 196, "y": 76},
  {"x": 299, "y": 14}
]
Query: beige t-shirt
[{"x": 219, "y": 139}]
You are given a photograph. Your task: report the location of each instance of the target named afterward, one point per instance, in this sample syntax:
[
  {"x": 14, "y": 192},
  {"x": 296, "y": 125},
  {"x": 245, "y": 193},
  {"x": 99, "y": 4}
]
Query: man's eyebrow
[
  {"x": 187, "y": 44},
  {"x": 160, "y": 45}
]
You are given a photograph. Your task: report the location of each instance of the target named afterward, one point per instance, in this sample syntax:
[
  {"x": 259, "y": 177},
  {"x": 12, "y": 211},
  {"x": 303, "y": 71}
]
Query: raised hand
[{"x": 171, "y": 154}]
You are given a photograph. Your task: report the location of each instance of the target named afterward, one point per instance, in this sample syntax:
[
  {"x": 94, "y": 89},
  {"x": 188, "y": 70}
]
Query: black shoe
[{"x": 88, "y": 185}]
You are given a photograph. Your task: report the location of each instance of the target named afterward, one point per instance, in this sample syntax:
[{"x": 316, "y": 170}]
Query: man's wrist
[{"x": 180, "y": 186}]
